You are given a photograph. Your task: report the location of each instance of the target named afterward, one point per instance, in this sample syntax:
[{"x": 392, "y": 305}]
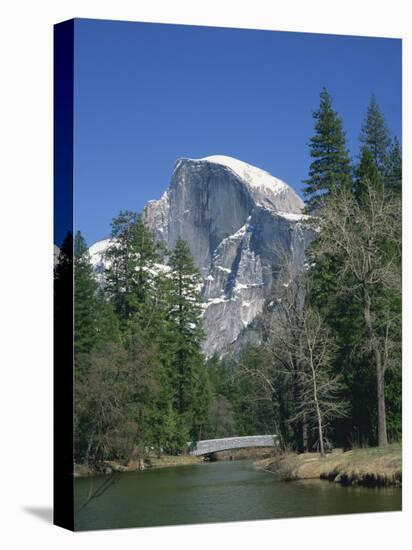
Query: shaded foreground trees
[
  {"x": 185, "y": 331},
  {"x": 301, "y": 348},
  {"x": 320, "y": 400},
  {"x": 140, "y": 376},
  {"x": 356, "y": 274},
  {"x": 365, "y": 239}
]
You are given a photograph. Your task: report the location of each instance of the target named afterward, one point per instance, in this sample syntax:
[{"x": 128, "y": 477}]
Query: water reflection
[{"x": 220, "y": 491}]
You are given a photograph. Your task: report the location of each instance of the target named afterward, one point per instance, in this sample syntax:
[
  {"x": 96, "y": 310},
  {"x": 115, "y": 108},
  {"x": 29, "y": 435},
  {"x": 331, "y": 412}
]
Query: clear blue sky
[{"x": 147, "y": 94}]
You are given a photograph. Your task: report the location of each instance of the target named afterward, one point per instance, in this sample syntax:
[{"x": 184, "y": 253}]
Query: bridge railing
[{"x": 207, "y": 446}]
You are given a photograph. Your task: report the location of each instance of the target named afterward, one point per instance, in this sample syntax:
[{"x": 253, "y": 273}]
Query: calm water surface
[{"x": 219, "y": 491}]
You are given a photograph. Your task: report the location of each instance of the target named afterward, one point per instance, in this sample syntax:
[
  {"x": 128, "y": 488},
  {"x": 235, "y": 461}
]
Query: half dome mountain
[{"x": 235, "y": 218}]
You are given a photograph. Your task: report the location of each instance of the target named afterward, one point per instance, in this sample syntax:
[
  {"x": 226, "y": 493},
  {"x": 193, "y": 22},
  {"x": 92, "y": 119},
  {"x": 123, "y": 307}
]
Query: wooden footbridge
[{"x": 209, "y": 446}]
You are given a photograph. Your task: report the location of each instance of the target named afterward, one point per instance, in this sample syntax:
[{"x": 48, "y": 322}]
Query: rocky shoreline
[{"x": 371, "y": 467}]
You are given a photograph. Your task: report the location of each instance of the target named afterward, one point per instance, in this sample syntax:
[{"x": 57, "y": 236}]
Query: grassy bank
[
  {"x": 375, "y": 466},
  {"x": 245, "y": 454},
  {"x": 167, "y": 461},
  {"x": 81, "y": 470}
]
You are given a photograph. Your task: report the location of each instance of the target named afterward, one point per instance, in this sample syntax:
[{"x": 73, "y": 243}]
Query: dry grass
[
  {"x": 81, "y": 470},
  {"x": 241, "y": 454},
  {"x": 373, "y": 466},
  {"x": 167, "y": 461}
]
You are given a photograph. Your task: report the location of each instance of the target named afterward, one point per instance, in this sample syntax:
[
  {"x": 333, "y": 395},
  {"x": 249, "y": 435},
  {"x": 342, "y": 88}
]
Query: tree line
[
  {"x": 140, "y": 379},
  {"x": 327, "y": 370},
  {"x": 330, "y": 359}
]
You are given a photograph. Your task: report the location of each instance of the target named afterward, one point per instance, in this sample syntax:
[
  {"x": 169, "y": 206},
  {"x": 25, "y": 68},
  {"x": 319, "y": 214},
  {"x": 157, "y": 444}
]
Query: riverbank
[
  {"x": 168, "y": 461},
  {"x": 221, "y": 491},
  {"x": 109, "y": 466},
  {"x": 375, "y": 466}
]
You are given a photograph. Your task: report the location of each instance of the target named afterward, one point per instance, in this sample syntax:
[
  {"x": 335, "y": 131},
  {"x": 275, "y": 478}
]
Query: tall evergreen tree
[
  {"x": 184, "y": 317},
  {"x": 393, "y": 168},
  {"x": 375, "y": 134},
  {"x": 130, "y": 277},
  {"x": 107, "y": 323},
  {"x": 330, "y": 169},
  {"x": 85, "y": 288},
  {"x": 366, "y": 171},
  {"x": 95, "y": 336},
  {"x": 121, "y": 256},
  {"x": 330, "y": 172}
]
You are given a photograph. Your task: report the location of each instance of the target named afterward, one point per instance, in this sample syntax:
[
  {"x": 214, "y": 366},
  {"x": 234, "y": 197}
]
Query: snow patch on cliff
[
  {"x": 255, "y": 177},
  {"x": 293, "y": 217}
]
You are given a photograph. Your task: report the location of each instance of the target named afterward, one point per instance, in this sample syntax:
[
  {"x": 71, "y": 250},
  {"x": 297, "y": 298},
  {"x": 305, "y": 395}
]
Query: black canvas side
[{"x": 63, "y": 275}]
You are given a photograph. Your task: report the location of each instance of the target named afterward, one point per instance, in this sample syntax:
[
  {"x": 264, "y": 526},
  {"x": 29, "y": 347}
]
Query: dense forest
[{"x": 327, "y": 370}]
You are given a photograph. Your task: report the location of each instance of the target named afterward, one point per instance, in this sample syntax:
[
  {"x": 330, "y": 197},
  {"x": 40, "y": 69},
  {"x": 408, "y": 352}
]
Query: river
[{"x": 219, "y": 491}]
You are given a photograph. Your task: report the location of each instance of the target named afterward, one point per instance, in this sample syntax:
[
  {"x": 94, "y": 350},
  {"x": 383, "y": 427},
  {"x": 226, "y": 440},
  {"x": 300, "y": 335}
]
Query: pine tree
[
  {"x": 329, "y": 173},
  {"x": 366, "y": 171},
  {"x": 168, "y": 432},
  {"x": 330, "y": 169},
  {"x": 107, "y": 323},
  {"x": 121, "y": 256},
  {"x": 85, "y": 288},
  {"x": 375, "y": 135},
  {"x": 185, "y": 331},
  {"x": 202, "y": 398},
  {"x": 131, "y": 273},
  {"x": 148, "y": 275},
  {"x": 393, "y": 168}
]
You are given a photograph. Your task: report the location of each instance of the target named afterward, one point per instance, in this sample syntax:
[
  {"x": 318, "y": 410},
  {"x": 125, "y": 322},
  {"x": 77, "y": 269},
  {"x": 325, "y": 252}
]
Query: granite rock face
[{"x": 236, "y": 218}]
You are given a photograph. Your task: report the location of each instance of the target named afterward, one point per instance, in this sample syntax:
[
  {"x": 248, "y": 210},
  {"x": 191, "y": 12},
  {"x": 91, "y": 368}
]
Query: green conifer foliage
[
  {"x": 375, "y": 134},
  {"x": 130, "y": 277},
  {"x": 185, "y": 332},
  {"x": 366, "y": 171},
  {"x": 120, "y": 278},
  {"x": 85, "y": 288},
  {"x": 330, "y": 169},
  {"x": 393, "y": 168}
]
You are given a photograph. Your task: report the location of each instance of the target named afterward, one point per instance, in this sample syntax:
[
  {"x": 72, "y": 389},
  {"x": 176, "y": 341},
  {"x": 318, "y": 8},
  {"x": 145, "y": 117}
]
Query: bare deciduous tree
[
  {"x": 302, "y": 351},
  {"x": 365, "y": 237},
  {"x": 320, "y": 390}
]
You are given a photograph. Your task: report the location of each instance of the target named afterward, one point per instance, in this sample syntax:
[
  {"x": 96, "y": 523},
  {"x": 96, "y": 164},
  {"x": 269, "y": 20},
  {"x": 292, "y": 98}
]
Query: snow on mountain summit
[{"x": 255, "y": 177}]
